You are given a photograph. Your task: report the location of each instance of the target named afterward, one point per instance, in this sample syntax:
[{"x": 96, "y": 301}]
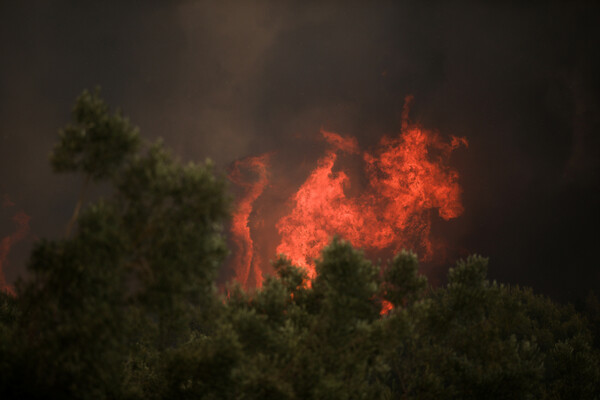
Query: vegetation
[{"x": 125, "y": 306}]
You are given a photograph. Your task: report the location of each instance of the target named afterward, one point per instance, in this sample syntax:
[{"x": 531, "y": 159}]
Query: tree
[
  {"x": 478, "y": 339},
  {"x": 140, "y": 267},
  {"x": 125, "y": 305},
  {"x": 96, "y": 144},
  {"x": 402, "y": 284}
]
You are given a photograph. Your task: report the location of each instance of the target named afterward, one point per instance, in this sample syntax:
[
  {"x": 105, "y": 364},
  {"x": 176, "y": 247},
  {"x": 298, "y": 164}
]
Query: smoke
[{"x": 231, "y": 79}]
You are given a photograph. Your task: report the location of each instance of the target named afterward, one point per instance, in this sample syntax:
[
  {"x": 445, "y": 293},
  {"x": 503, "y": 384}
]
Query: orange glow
[
  {"x": 386, "y": 307},
  {"x": 407, "y": 179},
  {"x": 21, "y": 221},
  {"x": 247, "y": 261},
  {"x": 321, "y": 209}
]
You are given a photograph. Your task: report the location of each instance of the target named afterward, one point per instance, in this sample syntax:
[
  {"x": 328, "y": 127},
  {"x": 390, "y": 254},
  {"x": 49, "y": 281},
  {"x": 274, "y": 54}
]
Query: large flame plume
[
  {"x": 247, "y": 260},
  {"x": 408, "y": 178}
]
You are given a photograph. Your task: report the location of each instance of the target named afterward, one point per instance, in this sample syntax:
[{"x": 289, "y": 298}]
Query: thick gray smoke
[{"x": 232, "y": 79}]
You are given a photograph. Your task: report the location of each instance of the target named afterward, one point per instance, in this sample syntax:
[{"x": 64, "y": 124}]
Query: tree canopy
[{"x": 125, "y": 305}]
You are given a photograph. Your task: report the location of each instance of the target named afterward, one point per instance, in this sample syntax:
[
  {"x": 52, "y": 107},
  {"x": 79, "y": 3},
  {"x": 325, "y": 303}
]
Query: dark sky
[{"x": 230, "y": 79}]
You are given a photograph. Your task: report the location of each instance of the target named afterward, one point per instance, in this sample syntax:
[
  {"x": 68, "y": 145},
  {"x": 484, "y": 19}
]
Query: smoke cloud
[{"x": 230, "y": 80}]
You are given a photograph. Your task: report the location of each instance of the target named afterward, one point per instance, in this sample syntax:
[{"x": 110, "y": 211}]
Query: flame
[
  {"x": 246, "y": 260},
  {"x": 386, "y": 307},
  {"x": 407, "y": 176},
  {"x": 408, "y": 179},
  {"x": 21, "y": 221},
  {"x": 321, "y": 209}
]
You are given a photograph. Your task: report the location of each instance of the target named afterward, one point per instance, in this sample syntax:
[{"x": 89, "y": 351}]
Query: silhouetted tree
[
  {"x": 137, "y": 274},
  {"x": 125, "y": 306}
]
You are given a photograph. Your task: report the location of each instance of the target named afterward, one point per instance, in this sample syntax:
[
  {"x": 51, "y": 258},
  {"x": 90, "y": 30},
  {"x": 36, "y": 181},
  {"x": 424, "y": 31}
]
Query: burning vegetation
[
  {"x": 126, "y": 307},
  {"x": 408, "y": 178}
]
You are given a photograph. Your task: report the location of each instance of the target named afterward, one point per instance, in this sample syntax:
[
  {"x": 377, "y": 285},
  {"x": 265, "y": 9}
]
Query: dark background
[{"x": 231, "y": 79}]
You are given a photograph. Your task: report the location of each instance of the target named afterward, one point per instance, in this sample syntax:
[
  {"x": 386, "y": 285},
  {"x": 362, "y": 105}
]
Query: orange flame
[
  {"x": 21, "y": 221},
  {"x": 247, "y": 260},
  {"x": 407, "y": 178},
  {"x": 386, "y": 307},
  {"x": 321, "y": 209}
]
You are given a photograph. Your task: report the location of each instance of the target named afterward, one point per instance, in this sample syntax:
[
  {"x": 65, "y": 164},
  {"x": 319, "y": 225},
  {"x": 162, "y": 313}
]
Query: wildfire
[
  {"x": 21, "y": 221},
  {"x": 247, "y": 260},
  {"x": 408, "y": 177}
]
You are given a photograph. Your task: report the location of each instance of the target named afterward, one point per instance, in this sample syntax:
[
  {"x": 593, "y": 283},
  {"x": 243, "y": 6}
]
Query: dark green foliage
[
  {"x": 401, "y": 282},
  {"x": 347, "y": 284},
  {"x": 464, "y": 326},
  {"x": 172, "y": 216},
  {"x": 136, "y": 278},
  {"x": 126, "y": 307},
  {"x": 9, "y": 316},
  {"x": 96, "y": 143}
]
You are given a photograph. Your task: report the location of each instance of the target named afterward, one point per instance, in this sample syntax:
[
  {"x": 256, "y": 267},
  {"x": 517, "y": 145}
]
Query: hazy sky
[{"x": 230, "y": 79}]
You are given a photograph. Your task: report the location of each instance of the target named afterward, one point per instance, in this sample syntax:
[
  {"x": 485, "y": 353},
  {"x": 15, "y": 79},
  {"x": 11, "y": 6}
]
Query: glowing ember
[
  {"x": 407, "y": 179},
  {"x": 386, "y": 307},
  {"x": 21, "y": 221},
  {"x": 247, "y": 260}
]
